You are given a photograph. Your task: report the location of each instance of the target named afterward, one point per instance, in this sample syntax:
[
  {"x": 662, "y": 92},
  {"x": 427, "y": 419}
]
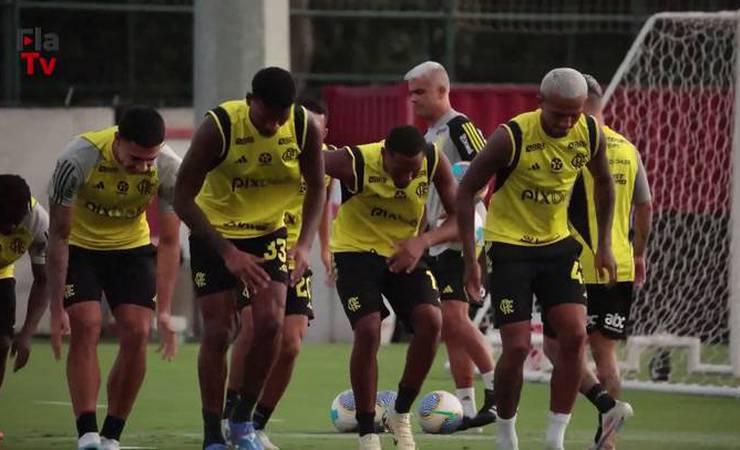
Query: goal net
[{"x": 674, "y": 98}]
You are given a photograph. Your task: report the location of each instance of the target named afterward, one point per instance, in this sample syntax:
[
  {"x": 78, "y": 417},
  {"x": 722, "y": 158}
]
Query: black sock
[
  {"x": 365, "y": 422},
  {"x": 212, "y": 428},
  {"x": 406, "y": 396},
  {"x": 244, "y": 408},
  {"x": 262, "y": 415},
  {"x": 112, "y": 427},
  {"x": 87, "y": 422},
  {"x": 600, "y": 398},
  {"x": 232, "y": 397}
]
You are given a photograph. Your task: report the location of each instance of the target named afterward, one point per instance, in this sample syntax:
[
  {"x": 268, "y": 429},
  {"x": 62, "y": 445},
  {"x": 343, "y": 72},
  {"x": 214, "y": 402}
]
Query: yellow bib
[
  {"x": 623, "y": 166},
  {"x": 111, "y": 204},
  {"x": 14, "y": 245},
  {"x": 530, "y": 203},
  {"x": 375, "y": 215},
  {"x": 247, "y": 194}
]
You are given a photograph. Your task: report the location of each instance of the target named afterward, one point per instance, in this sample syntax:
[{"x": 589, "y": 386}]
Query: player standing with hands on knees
[{"x": 243, "y": 168}]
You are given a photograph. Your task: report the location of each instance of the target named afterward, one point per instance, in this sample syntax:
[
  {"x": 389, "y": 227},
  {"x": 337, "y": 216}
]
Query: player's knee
[
  {"x": 268, "y": 328},
  {"x": 516, "y": 351},
  {"x": 572, "y": 342},
  {"x": 85, "y": 330},
  {"x": 216, "y": 334},
  {"x": 367, "y": 335},
  {"x": 291, "y": 347},
  {"x": 134, "y": 335},
  {"x": 428, "y": 322}
]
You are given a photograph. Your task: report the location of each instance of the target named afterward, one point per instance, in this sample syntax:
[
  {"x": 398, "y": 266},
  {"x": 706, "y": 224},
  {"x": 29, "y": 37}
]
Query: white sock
[
  {"x": 555, "y": 435},
  {"x": 506, "y": 438},
  {"x": 487, "y": 379},
  {"x": 467, "y": 399}
]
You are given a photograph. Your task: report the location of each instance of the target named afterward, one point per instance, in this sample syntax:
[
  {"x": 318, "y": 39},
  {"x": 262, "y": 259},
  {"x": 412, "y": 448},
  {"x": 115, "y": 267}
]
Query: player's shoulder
[{"x": 81, "y": 153}]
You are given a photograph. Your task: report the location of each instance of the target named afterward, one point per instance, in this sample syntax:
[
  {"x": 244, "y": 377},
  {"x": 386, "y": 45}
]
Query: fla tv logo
[{"x": 37, "y": 50}]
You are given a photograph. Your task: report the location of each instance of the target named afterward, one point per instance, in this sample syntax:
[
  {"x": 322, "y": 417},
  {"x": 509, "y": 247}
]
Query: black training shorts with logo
[
  {"x": 297, "y": 301},
  {"x": 609, "y": 309},
  {"x": 550, "y": 272},
  {"x": 449, "y": 269},
  {"x": 209, "y": 272},
  {"x": 7, "y": 307},
  {"x": 363, "y": 278},
  {"x": 125, "y": 276}
]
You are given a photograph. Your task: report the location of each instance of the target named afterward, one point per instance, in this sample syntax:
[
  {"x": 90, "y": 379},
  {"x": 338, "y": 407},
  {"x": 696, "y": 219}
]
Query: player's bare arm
[
  {"x": 312, "y": 169},
  {"x": 60, "y": 224},
  {"x": 604, "y": 200},
  {"x": 339, "y": 164},
  {"x": 494, "y": 156},
  {"x": 643, "y": 219},
  {"x": 168, "y": 265},
  {"x": 37, "y": 303},
  {"x": 199, "y": 160},
  {"x": 411, "y": 250}
]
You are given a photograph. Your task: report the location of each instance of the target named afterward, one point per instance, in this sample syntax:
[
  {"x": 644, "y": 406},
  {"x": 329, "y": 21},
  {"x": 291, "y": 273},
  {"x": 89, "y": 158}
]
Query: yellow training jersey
[
  {"x": 110, "y": 203},
  {"x": 375, "y": 214},
  {"x": 294, "y": 211},
  {"x": 247, "y": 193},
  {"x": 29, "y": 236},
  {"x": 529, "y": 206},
  {"x": 623, "y": 166}
]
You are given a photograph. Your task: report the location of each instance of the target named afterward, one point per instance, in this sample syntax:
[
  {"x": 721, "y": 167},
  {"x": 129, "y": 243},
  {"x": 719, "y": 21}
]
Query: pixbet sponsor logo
[{"x": 37, "y": 51}]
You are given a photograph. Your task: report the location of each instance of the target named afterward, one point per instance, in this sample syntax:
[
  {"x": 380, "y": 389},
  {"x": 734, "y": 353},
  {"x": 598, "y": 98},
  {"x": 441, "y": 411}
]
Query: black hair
[
  {"x": 594, "y": 88},
  {"x": 274, "y": 87},
  {"x": 315, "y": 106},
  {"x": 405, "y": 140},
  {"x": 15, "y": 199},
  {"x": 142, "y": 125}
]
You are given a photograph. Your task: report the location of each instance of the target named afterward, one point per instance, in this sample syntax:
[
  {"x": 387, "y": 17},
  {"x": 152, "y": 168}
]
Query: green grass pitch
[{"x": 34, "y": 413}]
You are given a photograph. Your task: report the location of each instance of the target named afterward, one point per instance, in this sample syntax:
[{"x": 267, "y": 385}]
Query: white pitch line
[{"x": 56, "y": 403}]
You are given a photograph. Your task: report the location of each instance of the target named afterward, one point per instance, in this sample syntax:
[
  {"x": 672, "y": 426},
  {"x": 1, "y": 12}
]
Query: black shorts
[
  {"x": 363, "y": 279},
  {"x": 7, "y": 307},
  {"x": 449, "y": 269},
  {"x": 552, "y": 273},
  {"x": 125, "y": 276},
  {"x": 210, "y": 274},
  {"x": 609, "y": 309},
  {"x": 297, "y": 302}
]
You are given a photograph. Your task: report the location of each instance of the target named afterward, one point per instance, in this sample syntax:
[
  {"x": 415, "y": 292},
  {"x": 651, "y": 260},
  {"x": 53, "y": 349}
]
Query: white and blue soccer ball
[
  {"x": 385, "y": 401},
  {"x": 440, "y": 413},
  {"x": 343, "y": 412}
]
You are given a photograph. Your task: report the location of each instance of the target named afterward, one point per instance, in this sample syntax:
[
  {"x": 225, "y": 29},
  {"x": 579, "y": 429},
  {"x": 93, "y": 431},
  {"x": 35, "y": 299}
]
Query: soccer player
[
  {"x": 298, "y": 313},
  {"x": 99, "y": 243},
  {"x": 460, "y": 140},
  {"x": 609, "y": 306},
  {"x": 377, "y": 249},
  {"x": 24, "y": 226},
  {"x": 242, "y": 171},
  {"x": 536, "y": 158}
]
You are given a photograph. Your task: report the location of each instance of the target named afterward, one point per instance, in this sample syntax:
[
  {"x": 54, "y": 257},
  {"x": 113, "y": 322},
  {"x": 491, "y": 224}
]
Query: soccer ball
[
  {"x": 343, "y": 412},
  {"x": 440, "y": 413},
  {"x": 385, "y": 401}
]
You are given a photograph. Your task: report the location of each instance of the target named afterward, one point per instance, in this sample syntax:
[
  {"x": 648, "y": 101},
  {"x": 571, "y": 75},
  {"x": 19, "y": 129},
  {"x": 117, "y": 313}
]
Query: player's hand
[
  {"x": 606, "y": 264},
  {"x": 246, "y": 267},
  {"x": 167, "y": 336},
  {"x": 331, "y": 276},
  {"x": 473, "y": 281},
  {"x": 298, "y": 256},
  {"x": 21, "y": 349},
  {"x": 59, "y": 328},
  {"x": 407, "y": 255},
  {"x": 640, "y": 271}
]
